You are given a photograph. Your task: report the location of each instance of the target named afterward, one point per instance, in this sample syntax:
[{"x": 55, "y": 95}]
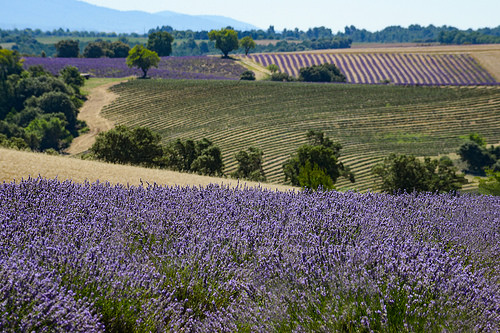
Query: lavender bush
[
  {"x": 95, "y": 257},
  {"x": 195, "y": 67}
]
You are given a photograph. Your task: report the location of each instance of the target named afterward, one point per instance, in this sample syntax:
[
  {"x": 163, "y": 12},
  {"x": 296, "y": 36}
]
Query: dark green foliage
[
  {"x": 322, "y": 73},
  {"x": 477, "y": 156},
  {"x": 100, "y": 49},
  {"x": 313, "y": 177},
  {"x": 250, "y": 165},
  {"x": 322, "y": 156},
  {"x": 407, "y": 173},
  {"x": 48, "y": 132},
  {"x": 35, "y": 87},
  {"x": 161, "y": 43},
  {"x": 13, "y": 143},
  {"x": 67, "y": 48},
  {"x": 138, "y": 146},
  {"x": 57, "y": 102},
  {"x": 281, "y": 76},
  {"x": 201, "y": 157},
  {"x": 248, "y": 76},
  {"x": 490, "y": 185},
  {"x": 225, "y": 39},
  {"x": 71, "y": 76}
]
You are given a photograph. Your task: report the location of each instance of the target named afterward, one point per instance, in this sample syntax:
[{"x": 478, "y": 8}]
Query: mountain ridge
[{"x": 82, "y": 16}]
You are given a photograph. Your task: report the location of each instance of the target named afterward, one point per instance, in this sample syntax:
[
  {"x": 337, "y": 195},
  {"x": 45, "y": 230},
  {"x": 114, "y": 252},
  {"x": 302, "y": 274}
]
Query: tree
[
  {"x": 321, "y": 73},
  {"x": 407, "y": 173},
  {"x": 225, "y": 39},
  {"x": 322, "y": 154},
  {"x": 119, "y": 49},
  {"x": 49, "y": 132},
  {"x": 67, "y": 48},
  {"x": 247, "y": 43},
  {"x": 142, "y": 58},
  {"x": 273, "y": 68},
  {"x": 247, "y": 75},
  {"x": 250, "y": 165},
  {"x": 491, "y": 185},
  {"x": 476, "y": 156},
  {"x": 202, "y": 157},
  {"x": 72, "y": 77},
  {"x": 314, "y": 177},
  {"x": 139, "y": 146},
  {"x": 10, "y": 63},
  {"x": 161, "y": 43},
  {"x": 57, "y": 102}
]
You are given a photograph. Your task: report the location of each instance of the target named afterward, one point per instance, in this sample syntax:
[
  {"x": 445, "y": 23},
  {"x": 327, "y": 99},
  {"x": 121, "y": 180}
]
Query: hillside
[
  {"x": 82, "y": 16},
  {"x": 369, "y": 120},
  {"x": 441, "y": 65}
]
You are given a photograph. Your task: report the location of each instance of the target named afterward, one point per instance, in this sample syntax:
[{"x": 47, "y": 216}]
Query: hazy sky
[{"x": 303, "y": 14}]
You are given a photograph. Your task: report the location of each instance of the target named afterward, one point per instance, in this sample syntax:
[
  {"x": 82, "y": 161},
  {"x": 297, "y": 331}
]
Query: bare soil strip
[{"x": 98, "y": 98}]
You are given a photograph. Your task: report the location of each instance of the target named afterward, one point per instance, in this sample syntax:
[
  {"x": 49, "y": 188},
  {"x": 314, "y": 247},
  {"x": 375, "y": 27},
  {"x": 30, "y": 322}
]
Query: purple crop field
[
  {"x": 397, "y": 68},
  {"x": 95, "y": 257},
  {"x": 193, "y": 67}
]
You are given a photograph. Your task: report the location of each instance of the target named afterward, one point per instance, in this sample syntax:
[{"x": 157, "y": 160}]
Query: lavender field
[
  {"x": 95, "y": 257},
  {"x": 194, "y": 67},
  {"x": 396, "y": 68}
]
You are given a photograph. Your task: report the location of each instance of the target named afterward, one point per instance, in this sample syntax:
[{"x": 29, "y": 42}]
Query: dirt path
[{"x": 90, "y": 113}]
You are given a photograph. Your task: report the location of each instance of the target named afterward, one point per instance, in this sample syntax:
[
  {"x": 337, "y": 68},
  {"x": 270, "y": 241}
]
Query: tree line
[{"x": 37, "y": 110}]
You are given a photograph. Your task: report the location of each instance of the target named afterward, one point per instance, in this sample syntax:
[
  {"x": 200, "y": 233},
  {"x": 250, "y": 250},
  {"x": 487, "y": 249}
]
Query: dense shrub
[{"x": 322, "y": 73}]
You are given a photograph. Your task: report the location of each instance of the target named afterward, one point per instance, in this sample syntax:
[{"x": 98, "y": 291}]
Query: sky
[{"x": 372, "y": 15}]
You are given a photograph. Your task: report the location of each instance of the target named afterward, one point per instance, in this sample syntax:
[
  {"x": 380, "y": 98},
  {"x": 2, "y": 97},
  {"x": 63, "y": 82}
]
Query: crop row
[
  {"x": 397, "y": 68},
  {"x": 101, "y": 258},
  {"x": 195, "y": 67},
  {"x": 370, "y": 121}
]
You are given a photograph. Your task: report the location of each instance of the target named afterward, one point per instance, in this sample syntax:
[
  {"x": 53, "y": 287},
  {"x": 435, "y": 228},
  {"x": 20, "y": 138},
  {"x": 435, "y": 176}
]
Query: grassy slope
[{"x": 370, "y": 121}]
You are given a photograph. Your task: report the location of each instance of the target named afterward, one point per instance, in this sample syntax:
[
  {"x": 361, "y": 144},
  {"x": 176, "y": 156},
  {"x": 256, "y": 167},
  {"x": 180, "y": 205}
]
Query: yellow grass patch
[{"x": 16, "y": 165}]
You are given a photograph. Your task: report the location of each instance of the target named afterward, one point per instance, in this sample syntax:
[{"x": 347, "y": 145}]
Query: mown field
[{"x": 370, "y": 121}]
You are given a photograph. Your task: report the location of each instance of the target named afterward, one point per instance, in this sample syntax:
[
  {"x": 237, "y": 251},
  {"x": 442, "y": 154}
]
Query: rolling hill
[
  {"x": 82, "y": 16},
  {"x": 370, "y": 121}
]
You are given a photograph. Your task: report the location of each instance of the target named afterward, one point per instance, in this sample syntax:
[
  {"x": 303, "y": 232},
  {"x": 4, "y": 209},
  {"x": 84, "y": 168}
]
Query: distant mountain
[{"x": 78, "y": 15}]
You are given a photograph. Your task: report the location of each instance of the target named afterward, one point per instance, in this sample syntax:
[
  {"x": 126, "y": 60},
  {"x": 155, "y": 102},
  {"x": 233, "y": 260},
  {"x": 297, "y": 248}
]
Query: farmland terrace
[
  {"x": 370, "y": 121},
  {"x": 424, "y": 65}
]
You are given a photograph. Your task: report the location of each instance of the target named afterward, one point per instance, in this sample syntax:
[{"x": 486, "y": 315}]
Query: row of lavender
[
  {"x": 95, "y": 257},
  {"x": 398, "y": 68},
  {"x": 195, "y": 67}
]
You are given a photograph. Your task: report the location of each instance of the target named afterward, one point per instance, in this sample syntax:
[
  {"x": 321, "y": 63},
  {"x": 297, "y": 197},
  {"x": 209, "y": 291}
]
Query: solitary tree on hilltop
[
  {"x": 225, "y": 39},
  {"x": 142, "y": 58}
]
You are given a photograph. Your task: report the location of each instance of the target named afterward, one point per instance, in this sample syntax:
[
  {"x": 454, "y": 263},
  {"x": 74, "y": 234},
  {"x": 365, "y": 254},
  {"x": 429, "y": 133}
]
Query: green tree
[
  {"x": 160, "y": 42},
  {"x": 490, "y": 185},
  {"x": 248, "y": 76},
  {"x": 49, "y": 133},
  {"x": 67, "y": 48},
  {"x": 119, "y": 49},
  {"x": 321, "y": 73},
  {"x": 94, "y": 50},
  {"x": 273, "y": 68},
  {"x": 321, "y": 153},
  {"x": 72, "y": 77},
  {"x": 250, "y": 165},
  {"x": 57, "y": 102},
  {"x": 142, "y": 58},
  {"x": 225, "y": 39},
  {"x": 10, "y": 63},
  {"x": 202, "y": 157},
  {"x": 313, "y": 177},
  {"x": 247, "y": 43},
  {"x": 407, "y": 173},
  {"x": 476, "y": 156},
  {"x": 138, "y": 146}
]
